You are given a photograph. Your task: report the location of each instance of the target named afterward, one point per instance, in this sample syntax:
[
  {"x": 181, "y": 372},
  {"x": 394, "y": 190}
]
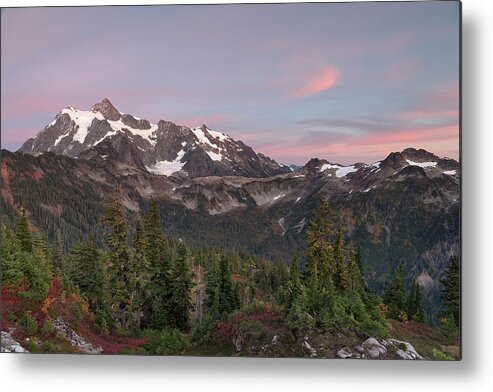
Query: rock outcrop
[
  {"x": 10, "y": 345},
  {"x": 74, "y": 339},
  {"x": 372, "y": 348}
]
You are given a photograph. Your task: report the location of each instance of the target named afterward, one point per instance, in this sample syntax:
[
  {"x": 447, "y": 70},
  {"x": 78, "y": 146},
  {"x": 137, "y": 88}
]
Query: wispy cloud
[{"x": 321, "y": 81}]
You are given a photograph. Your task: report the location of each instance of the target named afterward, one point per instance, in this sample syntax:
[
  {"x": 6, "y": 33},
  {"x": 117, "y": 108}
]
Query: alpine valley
[
  {"x": 213, "y": 190},
  {"x": 216, "y": 192}
]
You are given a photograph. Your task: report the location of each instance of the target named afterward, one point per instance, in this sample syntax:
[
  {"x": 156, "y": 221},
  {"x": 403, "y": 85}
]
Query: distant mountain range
[{"x": 214, "y": 190}]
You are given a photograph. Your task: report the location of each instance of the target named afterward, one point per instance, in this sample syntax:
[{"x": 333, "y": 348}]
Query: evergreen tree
[
  {"x": 418, "y": 300},
  {"x": 212, "y": 285},
  {"x": 319, "y": 236},
  {"x": 341, "y": 275},
  {"x": 356, "y": 279},
  {"x": 159, "y": 258},
  {"x": 23, "y": 233},
  {"x": 221, "y": 293},
  {"x": 294, "y": 285},
  {"x": 394, "y": 295},
  {"x": 181, "y": 288},
  {"x": 313, "y": 291},
  {"x": 85, "y": 270},
  {"x": 11, "y": 266},
  {"x": 140, "y": 271},
  {"x": 451, "y": 289},
  {"x": 228, "y": 300},
  {"x": 119, "y": 272},
  {"x": 57, "y": 259},
  {"x": 298, "y": 318},
  {"x": 411, "y": 301}
]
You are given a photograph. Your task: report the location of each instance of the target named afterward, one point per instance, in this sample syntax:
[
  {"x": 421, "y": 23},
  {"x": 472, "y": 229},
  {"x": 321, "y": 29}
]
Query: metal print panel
[{"x": 269, "y": 180}]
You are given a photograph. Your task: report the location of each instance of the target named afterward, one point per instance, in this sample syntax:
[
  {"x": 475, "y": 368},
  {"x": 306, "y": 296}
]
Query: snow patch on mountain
[
  {"x": 328, "y": 166},
  {"x": 341, "y": 171},
  {"x": 147, "y": 134},
  {"x": 83, "y": 120},
  {"x": 345, "y": 170},
  {"x": 218, "y": 135},
  {"x": 167, "y": 168},
  {"x": 279, "y": 196},
  {"x": 204, "y": 140},
  {"x": 214, "y": 156},
  {"x": 421, "y": 164}
]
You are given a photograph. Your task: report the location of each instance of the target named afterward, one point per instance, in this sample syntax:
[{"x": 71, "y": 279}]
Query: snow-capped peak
[
  {"x": 162, "y": 148},
  {"x": 106, "y": 108},
  {"x": 212, "y": 142}
]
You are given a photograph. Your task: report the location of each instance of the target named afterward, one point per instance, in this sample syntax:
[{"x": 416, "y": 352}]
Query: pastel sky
[{"x": 347, "y": 82}]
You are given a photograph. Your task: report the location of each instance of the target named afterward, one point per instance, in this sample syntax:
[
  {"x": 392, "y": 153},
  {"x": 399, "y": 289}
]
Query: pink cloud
[
  {"x": 321, "y": 81},
  {"x": 429, "y": 113},
  {"x": 442, "y": 141}
]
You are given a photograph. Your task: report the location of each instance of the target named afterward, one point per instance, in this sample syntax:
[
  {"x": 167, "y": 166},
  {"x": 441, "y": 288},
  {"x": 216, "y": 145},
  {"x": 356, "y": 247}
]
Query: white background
[{"x": 104, "y": 373}]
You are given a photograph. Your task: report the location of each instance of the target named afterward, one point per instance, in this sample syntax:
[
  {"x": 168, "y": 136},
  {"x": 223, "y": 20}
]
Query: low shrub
[
  {"x": 438, "y": 355},
  {"x": 373, "y": 328},
  {"x": 48, "y": 328},
  {"x": 29, "y": 324},
  {"x": 250, "y": 330},
  {"x": 202, "y": 330},
  {"x": 167, "y": 342},
  {"x": 48, "y": 347},
  {"x": 76, "y": 311}
]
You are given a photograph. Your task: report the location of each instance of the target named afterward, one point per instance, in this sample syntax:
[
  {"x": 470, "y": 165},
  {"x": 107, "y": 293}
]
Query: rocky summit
[{"x": 164, "y": 148}]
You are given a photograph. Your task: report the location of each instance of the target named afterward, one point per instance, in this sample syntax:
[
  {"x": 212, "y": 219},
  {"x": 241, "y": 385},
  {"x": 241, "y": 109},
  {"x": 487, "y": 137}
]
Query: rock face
[
  {"x": 9, "y": 345},
  {"x": 404, "y": 349},
  {"x": 74, "y": 339},
  {"x": 163, "y": 148},
  {"x": 371, "y": 348}
]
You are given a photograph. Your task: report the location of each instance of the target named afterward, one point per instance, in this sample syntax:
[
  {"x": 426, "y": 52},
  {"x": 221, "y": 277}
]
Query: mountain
[
  {"x": 163, "y": 148},
  {"x": 403, "y": 209}
]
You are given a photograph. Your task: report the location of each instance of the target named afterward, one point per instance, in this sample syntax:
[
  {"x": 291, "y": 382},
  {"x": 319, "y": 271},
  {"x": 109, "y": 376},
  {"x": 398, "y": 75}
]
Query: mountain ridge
[{"x": 401, "y": 210}]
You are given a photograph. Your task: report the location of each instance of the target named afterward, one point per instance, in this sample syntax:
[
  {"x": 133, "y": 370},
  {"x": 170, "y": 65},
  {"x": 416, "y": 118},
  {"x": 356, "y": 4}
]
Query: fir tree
[
  {"x": 23, "y": 233},
  {"x": 313, "y": 291},
  {"x": 294, "y": 285},
  {"x": 181, "y": 288},
  {"x": 85, "y": 270},
  {"x": 418, "y": 300},
  {"x": 411, "y": 301},
  {"x": 341, "y": 275},
  {"x": 212, "y": 284},
  {"x": 319, "y": 236},
  {"x": 119, "y": 272},
  {"x": 451, "y": 289},
  {"x": 57, "y": 259},
  {"x": 11, "y": 266},
  {"x": 159, "y": 258},
  {"x": 228, "y": 299},
  {"x": 140, "y": 271},
  {"x": 394, "y": 295}
]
